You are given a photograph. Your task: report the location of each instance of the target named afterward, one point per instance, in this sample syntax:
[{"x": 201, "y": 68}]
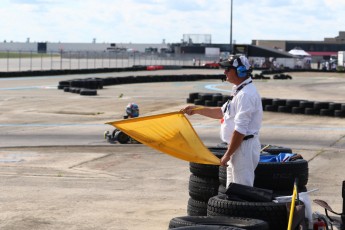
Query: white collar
[{"x": 242, "y": 83}]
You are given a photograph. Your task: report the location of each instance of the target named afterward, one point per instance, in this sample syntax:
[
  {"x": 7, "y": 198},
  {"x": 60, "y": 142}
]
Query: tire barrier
[
  {"x": 282, "y": 76},
  {"x": 99, "y": 83},
  {"x": 260, "y": 76},
  {"x": 207, "y": 188},
  {"x": 275, "y": 176},
  {"x": 87, "y": 92},
  {"x": 275, "y": 214},
  {"x": 203, "y": 184},
  {"x": 293, "y": 106},
  {"x": 208, "y": 227},
  {"x": 37, "y": 73},
  {"x": 213, "y": 221},
  {"x": 280, "y": 176}
]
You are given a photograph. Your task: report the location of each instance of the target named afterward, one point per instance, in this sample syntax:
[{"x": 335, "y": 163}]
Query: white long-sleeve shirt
[{"x": 243, "y": 113}]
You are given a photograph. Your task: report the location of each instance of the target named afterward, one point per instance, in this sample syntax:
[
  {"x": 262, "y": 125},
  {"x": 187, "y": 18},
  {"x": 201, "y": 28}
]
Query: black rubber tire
[
  {"x": 273, "y": 149},
  {"x": 193, "y": 96},
  {"x": 88, "y": 92},
  {"x": 121, "y": 137},
  {"x": 210, "y": 103},
  {"x": 311, "y": 111},
  {"x": 276, "y": 77},
  {"x": 306, "y": 104},
  {"x": 199, "y": 102},
  {"x": 202, "y": 188},
  {"x": 326, "y": 112},
  {"x": 275, "y": 214},
  {"x": 284, "y": 109},
  {"x": 279, "y": 102},
  {"x": 339, "y": 113},
  {"x": 208, "y": 227},
  {"x": 270, "y": 179},
  {"x": 204, "y": 170},
  {"x": 220, "y": 103},
  {"x": 73, "y": 90},
  {"x": 205, "y": 96},
  {"x": 189, "y": 101},
  {"x": 271, "y": 108},
  {"x": 217, "y": 98},
  {"x": 218, "y": 151},
  {"x": 281, "y": 176},
  {"x": 196, "y": 207},
  {"x": 238, "y": 222},
  {"x": 65, "y": 83},
  {"x": 321, "y": 105},
  {"x": 335, "y": 106},
  {"x": 266, "y": 101},
  {"x": 292, "y": 103},
  {"x": 297, "y": 110}
]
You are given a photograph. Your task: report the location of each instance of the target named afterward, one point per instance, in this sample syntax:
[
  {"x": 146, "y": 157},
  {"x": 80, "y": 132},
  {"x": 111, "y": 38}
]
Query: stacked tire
[
  {"x": 275, "y": 176},
  {"x": 330, "y": 109},
  {"x": 293, "y": 106},
  {"x": 275, "y": 214},
  {"x": 216, "y": 222},
  {"x": 84, "y": 87},
  {"x": 203, "y": 184},
  {"x": 207, "y": 99}
]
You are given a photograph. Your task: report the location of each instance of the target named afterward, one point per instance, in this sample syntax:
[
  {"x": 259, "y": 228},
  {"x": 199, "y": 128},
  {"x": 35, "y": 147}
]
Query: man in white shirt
[{"x": 241, "y": 121}]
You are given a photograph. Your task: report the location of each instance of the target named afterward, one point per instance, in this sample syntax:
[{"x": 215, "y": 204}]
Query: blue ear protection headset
[{"x": 241, "y": 69}]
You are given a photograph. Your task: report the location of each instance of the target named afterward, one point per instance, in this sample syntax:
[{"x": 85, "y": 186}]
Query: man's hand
[
  {"x": 190, "y": 110},
  {"x": 235, "y": 142},
  {"x": 224, "y": 160}
]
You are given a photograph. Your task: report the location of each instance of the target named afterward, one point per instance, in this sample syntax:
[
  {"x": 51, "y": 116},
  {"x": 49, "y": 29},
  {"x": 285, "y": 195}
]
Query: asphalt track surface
[{"x": 57, "y": 171}]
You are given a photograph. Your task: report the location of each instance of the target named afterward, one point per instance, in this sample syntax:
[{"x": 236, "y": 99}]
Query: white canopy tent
[
  {"x": 302, "y": 58},
  {"x": 299, "y": 52}
]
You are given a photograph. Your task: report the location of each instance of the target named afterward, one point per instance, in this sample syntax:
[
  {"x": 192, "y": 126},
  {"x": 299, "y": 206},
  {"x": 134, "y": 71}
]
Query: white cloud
[{"x": 150, "y": 21}]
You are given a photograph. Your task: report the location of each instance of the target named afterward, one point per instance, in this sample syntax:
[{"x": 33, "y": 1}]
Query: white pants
[{"x": 243, "y": 162}]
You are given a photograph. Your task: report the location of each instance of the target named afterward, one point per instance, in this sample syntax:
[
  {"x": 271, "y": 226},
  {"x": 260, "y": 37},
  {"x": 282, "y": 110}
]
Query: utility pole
[{"x": 231, "y": 46}]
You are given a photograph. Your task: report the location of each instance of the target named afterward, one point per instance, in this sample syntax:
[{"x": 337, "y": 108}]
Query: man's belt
[{"x": 248, "y": 137}]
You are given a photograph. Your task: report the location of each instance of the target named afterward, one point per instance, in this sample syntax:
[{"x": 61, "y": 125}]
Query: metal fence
[{"x": 32, "y": 61}]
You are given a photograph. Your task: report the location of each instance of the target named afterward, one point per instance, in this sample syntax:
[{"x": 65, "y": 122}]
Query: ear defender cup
[{"x": 242, "y": 71}]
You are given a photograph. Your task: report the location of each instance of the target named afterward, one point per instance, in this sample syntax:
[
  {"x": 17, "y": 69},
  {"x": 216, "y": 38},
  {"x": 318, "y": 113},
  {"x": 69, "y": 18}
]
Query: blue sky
[{"x": 151, "y": 21}]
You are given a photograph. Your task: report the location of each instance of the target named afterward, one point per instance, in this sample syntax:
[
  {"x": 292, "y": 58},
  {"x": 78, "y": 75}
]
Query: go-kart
[{"x": 119, "y": 136}]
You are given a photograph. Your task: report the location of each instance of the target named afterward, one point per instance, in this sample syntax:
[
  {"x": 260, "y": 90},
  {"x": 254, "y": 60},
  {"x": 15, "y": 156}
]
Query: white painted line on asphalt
[
  {"x": 31, "y": 87},
  {"x": 215, "y": 88}
]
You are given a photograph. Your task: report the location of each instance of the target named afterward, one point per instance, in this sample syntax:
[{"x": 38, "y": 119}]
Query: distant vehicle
[{"x": 212, "y": 65}]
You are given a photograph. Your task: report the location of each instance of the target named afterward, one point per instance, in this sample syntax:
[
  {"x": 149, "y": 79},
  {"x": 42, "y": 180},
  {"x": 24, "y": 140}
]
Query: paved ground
[{"x": 57, "y": 171}]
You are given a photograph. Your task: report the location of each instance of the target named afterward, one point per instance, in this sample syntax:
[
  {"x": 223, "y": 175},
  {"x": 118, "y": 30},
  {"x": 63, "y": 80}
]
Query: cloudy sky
[{"x": 151, "y": 21}]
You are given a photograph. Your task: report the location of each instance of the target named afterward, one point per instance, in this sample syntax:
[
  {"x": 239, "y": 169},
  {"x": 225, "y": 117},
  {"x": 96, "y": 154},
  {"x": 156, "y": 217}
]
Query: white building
[{"x": 60, "y": 46}]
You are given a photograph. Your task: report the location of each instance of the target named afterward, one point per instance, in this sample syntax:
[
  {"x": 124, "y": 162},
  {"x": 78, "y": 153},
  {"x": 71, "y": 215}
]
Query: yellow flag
[{"x": 170, "y": 133}]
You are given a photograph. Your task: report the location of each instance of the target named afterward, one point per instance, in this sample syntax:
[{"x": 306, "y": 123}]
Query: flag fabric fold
[{"x": 170, "y": 133}]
